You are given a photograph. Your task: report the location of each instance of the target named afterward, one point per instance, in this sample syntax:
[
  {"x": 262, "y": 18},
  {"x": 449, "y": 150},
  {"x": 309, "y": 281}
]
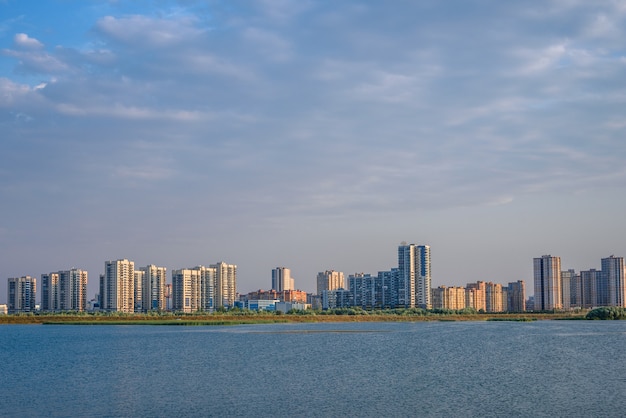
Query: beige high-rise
[
  {"x": 64, "y": 291},
  {"x": 193, "y": 289},
  {"x": 117, "y": 286},
  {"x": 282, "y": 280},
  {"x": 153, "y": 288},
  {"x": 330, "y": 280},
  {"x": 225, "y": 284}
]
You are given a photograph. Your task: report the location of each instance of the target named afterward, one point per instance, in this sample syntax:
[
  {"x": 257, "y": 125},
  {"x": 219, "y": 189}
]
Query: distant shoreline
[{"x": 271, "y": 318}]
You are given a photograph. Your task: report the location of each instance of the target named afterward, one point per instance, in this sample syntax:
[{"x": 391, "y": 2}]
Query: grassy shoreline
[{"x": 271, "y": 318}]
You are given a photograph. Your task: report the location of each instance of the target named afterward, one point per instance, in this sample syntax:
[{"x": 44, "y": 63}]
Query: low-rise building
[
  {"x": 283, "y": 296},
  {"x": 339, "y": 298},
  {"x": 287, "y": 306},
  {"x": 261, "y": 304}
]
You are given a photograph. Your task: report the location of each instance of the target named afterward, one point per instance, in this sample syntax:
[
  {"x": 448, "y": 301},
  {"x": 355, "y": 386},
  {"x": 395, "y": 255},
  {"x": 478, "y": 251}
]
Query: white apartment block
[
  {"x": 64, "y": 291},
  {"x": 117, "y": 286}
]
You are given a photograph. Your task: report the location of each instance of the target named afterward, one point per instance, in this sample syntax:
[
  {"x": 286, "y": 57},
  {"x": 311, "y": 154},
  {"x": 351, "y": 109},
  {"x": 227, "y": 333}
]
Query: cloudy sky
[{"x": 311, "y": 134}]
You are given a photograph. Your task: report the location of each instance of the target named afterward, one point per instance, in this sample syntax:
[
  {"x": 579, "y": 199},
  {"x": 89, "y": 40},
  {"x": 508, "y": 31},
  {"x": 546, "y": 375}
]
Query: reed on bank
[{"x": 238, "y": 316}]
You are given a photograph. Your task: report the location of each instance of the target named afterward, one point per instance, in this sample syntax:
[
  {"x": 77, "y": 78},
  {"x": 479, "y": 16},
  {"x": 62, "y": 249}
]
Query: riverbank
[{"x": 263, "y": 318}]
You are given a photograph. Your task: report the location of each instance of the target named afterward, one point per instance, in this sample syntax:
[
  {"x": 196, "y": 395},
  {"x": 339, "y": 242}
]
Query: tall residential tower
[
  {"x": 153, "y": 288},
  {"x": 225, "y": 284},
  {"x": 64, "y": 291},
  {"x": 547, "y": 277},
  {"x": 414, "y": 280},
  {"x": 21, "y": 294},
  {"x": 193, "y": 289},
  {"x": 282, "y": 280},
  {"x": 117, "y": 286},
  {"x": 613, "y": 276},
  {"x": 330, "y": 280}
]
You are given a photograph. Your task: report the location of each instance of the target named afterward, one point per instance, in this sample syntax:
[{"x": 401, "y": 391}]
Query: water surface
[{"x": 544, "y": 368}]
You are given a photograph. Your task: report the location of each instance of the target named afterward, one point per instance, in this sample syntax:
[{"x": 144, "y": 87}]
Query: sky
[{"x": 313, "y": 135}]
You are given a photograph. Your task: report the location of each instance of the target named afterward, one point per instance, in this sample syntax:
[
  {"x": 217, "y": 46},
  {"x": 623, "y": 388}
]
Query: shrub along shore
[{"x": 238, "y": 317}]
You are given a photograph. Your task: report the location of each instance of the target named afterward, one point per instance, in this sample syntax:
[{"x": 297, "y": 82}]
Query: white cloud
[
  {"x": 38, "y": 61},
  {"x": 22, "y": 40},
  {"x": 17, "y": 96},
  {"x": 144, "y": 31},
  {"x": 343, "y": 103},
  {"x": 9, "y": 90},
  {"x": 118, "y": 110}
]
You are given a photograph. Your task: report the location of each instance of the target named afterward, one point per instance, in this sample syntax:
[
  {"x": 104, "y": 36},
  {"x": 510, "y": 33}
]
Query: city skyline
[
  {"x": 200, "y": 289},
  {"x": 557, "y": 286},
  {"x": 315, "y": 135}
]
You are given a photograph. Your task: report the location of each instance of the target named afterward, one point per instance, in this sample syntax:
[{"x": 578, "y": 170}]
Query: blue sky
[{"x": 311, "y": 134}]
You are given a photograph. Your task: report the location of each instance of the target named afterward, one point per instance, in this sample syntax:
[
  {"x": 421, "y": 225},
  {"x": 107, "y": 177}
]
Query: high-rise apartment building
[
  {"x": 590, "y": 285},
  {"x": 566, "y": 283},
  {"x": 444, "y": 297},
  {"x": 494, "y": 297},
  {"x": 424, "y": 282},
  {"x": 330, "y": 280},
  {"x": 137, "y": 290},
  {"x": 117, "y": 286},
  {"x": 186, "y": 290},
  {"x": 476, "y": 296},
  {"x": 153, "y": 288},
  {"x": 64, "y": 291},
  {"x": 547, "y": 279},
  {"x": 575, "y": 289},
  {"x": 406, "y": 275},
  {"x": 438, "y": 297},
  {"x": 516, "y": 296},
  {"x": 225, "y": 284},
  {"x": 414, "y": 280},
  {"x": 21, "y": 294},
  {"x": 50, "y": 292},
  {"x": 365, "y": 290},
  {"x": 613, "y": 275},
  {"x": 204, "y": 288},
  {"x": 193, "y": 289},
  {"x": 282, "y": 280},
  {"x": 73, "y": 285},
  {"x": 389, "y": 289},
  {"x": 505, "y": 299},
  {"x": 570, "y": 286}
]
